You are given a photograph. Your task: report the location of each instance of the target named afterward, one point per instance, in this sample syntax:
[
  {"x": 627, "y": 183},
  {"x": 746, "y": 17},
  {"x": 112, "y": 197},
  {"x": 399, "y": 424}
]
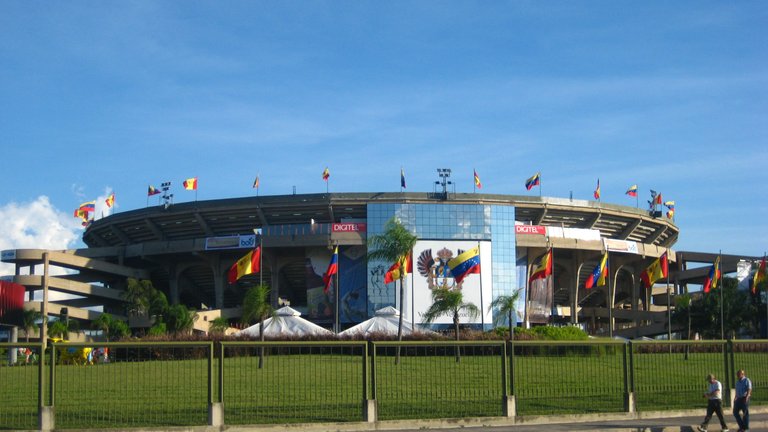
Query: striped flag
[
  {"x": 477, "y": 180},
  {"x": 333, "y": 268},
  {"x": 190, "y": 183}
]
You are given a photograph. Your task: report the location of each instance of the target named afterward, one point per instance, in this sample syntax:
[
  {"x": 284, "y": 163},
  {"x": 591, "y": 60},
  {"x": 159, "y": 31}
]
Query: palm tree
[
  {"x": 29, "y": 318},
  {"x": 450, "y": 301},
  {"x": 395, "y": 244},
  {"x": 506, "y": 305},
  {"x": 256, "y": 307},
  {"x": 110, "y": 326},
  {"x": 179, "y": 319},
  {"x": 218, "y": 325}
]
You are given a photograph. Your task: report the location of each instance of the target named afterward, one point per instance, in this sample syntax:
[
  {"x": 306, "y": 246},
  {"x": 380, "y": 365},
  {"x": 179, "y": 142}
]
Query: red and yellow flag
[
  {"x": 658, "y": 269},
  {"x": 394, "y": 271},
  {"x": 190, "y": 183},
  {"x": 250, "y": 263},
  {"x": 759, "y": 276},
  {"x": 326, "y": 174},
  {"x": 110, "y": 201},
  {"x": 543, "y": 268}
]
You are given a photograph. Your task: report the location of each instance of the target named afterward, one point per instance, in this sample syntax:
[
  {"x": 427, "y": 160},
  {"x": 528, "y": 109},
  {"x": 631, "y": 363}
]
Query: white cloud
[{"x": 35, "y": 225}]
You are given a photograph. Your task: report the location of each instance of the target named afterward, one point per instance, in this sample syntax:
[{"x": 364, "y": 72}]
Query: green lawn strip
[{"x": 327, "y": 387}]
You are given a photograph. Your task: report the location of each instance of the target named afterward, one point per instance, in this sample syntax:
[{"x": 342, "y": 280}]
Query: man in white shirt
[{"x": 714, "y": 397}]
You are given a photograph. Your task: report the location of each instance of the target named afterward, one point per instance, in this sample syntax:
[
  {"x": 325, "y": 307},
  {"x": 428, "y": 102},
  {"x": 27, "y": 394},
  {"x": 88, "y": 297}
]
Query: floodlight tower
[
  {"x": 444, "y": 174},
  {"x": 167, "y": 198}
]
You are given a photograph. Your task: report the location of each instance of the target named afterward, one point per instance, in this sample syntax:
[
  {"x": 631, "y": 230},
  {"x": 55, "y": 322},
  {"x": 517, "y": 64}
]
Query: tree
[
  {"x": 395, "y": 244},
  {"x": 110, "y": 326},
  {"x": 218, "y": 325},
  {"x": 179, "y": 319},
  {"x": 144, "y": 299},
  {"x": 29, "y": 318},
  {"x": 738, "y": 311},
  {"x": 62, "y": 329},
  {"x": 450, "y": 301},
  {"x": 682, "y": 315},
  {"x": 507, "y": 307},
  {"x": 256, "y": 307}
]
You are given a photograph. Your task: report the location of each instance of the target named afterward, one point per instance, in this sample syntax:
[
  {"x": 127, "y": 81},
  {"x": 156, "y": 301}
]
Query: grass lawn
[{"x": 328, "y": 387}]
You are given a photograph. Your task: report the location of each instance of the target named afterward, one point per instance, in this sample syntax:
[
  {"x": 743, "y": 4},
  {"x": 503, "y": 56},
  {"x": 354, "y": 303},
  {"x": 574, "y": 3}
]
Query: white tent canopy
[
  {"x": 385, "y": 321},
  {"x": 286, "y": 322}
]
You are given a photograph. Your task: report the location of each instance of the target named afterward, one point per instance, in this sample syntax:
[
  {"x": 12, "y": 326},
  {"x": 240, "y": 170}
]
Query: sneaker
[
  {"x": 702, "y": 429},
  {"x": 725, "y": 430}
]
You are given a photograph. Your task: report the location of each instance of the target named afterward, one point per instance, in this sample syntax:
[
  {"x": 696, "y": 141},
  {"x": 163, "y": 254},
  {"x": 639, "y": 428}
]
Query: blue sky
[{"x": 113, "y": 96}]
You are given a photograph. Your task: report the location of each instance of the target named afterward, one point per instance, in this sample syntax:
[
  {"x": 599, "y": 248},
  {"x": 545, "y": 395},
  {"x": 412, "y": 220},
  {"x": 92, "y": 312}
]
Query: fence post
[
  {"x": 629, "y": 391},
  {"x": 730, "y": 372},
  {"x": 509, "y": 407},
  {"x": 46, "y": 418},
  {"x": 370, "y": 407},
  {"x": 215, "y": 409},
  {"x": 630, "y": 401}
]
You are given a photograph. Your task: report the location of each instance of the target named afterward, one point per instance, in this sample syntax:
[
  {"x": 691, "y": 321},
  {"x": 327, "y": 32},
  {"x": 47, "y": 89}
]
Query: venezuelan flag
[
  {"x": 152, "y": 191},
  {"x": 88, "y": 207},
  {"x": 535, "y": 180},
  {"x": 597, "y": 191},
  {"x": 632, "y": 191},
  {"x": 599, "y": 274},
  {"x": 710, "y": 282},
  {"x": 333, "y": 268},
  {"x": 465, "y": 264}
]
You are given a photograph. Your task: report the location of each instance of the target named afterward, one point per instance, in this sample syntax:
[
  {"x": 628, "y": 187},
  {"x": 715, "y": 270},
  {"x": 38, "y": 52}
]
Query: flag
[
  {"x": 110, "y": 201},
  {"x": 597, "y": 278},
  {"x": 152, "y": 191},
  {"x": 190, "y": 183},
  {"x": 246, "y": 265},
  {"x": 256, "y": 183},
  {"x": 543, "y": 268},
  {"x": 535, "y": 180},
  {"x": 597, "y": 191},
  {"x": 477, "y": 180},
  {"x": 658, "y": 199},
  {"x": 326, "y": 174},
  {"x": 88, "y": 207},
  {"x": 466, "y": 263},
  {"x": 394, "y": 274},
  {"x": 632, "y": 191},
  {"x": 658, "y": 269},
  {"x": 710, "y": 282},
  {"x": 402, "y": 178},
  {"x": 759, "y": 276},
  {"x": 671, "y": 206},
  {"x": 333, "y": 268}
]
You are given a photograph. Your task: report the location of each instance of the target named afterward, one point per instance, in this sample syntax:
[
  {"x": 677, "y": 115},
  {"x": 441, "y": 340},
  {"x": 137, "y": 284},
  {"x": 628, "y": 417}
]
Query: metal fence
[{"x": 182, "y": 384}]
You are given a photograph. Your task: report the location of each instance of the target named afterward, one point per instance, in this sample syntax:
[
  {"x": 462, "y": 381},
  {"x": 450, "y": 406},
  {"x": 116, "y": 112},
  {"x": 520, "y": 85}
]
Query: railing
[{"x": 235, "y": 383}]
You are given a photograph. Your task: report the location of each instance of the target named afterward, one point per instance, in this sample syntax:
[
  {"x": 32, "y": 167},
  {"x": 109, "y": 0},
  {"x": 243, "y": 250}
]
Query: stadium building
[{"x": 187, "y": 249}]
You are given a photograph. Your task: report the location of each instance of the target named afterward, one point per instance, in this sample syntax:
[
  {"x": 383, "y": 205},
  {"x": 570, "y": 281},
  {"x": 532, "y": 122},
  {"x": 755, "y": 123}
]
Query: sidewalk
[{"x": 677, "y": 421}]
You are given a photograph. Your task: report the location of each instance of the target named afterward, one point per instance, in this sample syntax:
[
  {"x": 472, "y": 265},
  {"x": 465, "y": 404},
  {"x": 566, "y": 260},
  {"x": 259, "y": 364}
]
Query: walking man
[
  {"x": 714, "y": 397},
  {"x": 741, "y": 403}
]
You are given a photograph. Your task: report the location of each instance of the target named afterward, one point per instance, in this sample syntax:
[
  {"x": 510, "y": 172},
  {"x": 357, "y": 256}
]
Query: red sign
[
  {"x": 531, "y": 229},
  {"x": 349, "y": 227}
]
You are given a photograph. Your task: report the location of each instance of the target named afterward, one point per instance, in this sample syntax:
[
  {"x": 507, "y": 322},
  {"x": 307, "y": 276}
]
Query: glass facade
[{"x": 445, "y": 221}]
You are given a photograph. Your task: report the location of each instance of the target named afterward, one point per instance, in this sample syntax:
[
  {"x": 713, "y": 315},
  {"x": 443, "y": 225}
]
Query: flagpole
[
  {"x": 610, "y": 294},
  {"x": 474, "y": 181},
  {"x": 669, "y": 306},
  {"x": 336, "y": 292},
  {"x": 766, "y": 300},
  {"x": 413, "y": 298},
  {"x": 482, "y": 308},
  {"x": 722, "y": 298}
]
